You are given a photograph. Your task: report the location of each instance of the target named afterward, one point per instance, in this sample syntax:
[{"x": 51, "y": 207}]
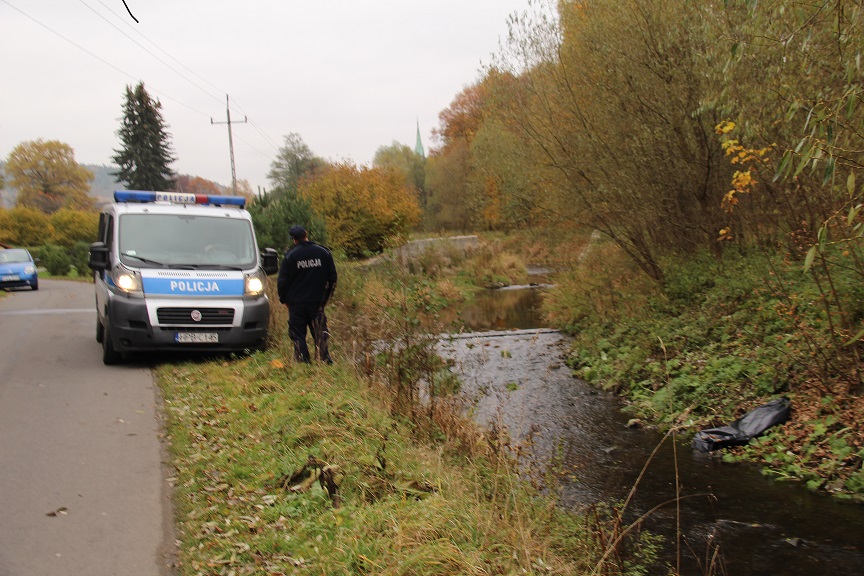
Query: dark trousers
[{"x": 311, "y": 316}]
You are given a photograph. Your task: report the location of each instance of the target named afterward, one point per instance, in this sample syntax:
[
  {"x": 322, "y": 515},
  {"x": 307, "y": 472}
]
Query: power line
[
  {"x": 257, "y": 128},
  {"x": 99, "y": 58},
  {"x": 167, "y": 65},
  {"x": 253, "y": 148},
  {"x": 166, "y": 53},
  {"x": 66, "y": 39},
  {"x": 164, "y": 95},
  {"x": 181, "y": 64},
  {"x": 130, "y": 12}
]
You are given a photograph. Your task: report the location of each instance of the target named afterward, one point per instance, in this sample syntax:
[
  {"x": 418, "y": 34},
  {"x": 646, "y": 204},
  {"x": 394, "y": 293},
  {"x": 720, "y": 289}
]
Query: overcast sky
[{"x": 347, "y": 75}]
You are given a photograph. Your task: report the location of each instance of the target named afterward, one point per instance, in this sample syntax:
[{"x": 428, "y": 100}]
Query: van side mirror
[
  {"x": 99, "y": 257},
  {"x": 270, "y": 261}
]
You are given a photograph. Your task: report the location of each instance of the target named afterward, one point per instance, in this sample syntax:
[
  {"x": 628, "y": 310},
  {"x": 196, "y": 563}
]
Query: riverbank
[{"x": 721, "y": 337}]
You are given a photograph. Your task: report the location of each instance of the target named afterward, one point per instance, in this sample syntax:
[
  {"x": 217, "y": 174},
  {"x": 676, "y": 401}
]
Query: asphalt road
[{"x": 83, "y": 488}]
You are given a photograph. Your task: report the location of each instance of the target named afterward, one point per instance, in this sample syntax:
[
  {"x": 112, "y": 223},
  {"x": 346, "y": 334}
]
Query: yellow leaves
[
  {"x": 729, "y": 201},
  {"x": 741, "y": 155},
  {"x": 724, "y": 127},
  {"x": 277, "y": 363},
  {"x": 731, "y": 147},
  {"x": 742, "y": 181},
  {"x": 725, "y": 235}
]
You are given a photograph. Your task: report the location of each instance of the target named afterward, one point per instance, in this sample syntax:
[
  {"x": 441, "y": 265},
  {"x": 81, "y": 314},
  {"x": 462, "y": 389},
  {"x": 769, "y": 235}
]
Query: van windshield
[{"x": 180, "y": 240}]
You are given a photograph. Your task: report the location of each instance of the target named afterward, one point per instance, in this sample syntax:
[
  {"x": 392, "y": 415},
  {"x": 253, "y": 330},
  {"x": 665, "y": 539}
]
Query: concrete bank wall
[{"x": 415, "y": 248}]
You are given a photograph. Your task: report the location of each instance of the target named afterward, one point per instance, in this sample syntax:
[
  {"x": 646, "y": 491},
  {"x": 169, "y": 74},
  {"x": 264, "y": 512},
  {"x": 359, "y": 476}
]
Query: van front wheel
[{"x": 110, "y": 355}]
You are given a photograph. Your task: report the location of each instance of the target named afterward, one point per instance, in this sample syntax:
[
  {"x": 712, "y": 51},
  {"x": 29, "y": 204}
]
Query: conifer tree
[{"x": 145, "y": 155}]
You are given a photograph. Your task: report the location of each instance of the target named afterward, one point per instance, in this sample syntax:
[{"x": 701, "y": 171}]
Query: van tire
[
  {"x": 110, "y": 355},
  {"x": 100, "y": 331}
]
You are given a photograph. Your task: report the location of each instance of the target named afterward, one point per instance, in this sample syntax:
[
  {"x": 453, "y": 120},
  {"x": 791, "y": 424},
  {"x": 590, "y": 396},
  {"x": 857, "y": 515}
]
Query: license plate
[
  {"x": 197, "y": 337},
  {"x": 10, "y": 278}
]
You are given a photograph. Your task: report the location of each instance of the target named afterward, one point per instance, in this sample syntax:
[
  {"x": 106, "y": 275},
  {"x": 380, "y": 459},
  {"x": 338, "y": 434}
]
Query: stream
[{"x": 513, "y": 371}]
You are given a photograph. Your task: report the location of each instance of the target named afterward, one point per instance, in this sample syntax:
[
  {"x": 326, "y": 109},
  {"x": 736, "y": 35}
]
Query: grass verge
[
  {"x": 284, "y": 468},
  {"x": 240, "y": 430}
]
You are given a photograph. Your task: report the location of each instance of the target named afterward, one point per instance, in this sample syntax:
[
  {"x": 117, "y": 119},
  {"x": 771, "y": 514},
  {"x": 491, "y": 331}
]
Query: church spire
[{"x": 418, "y": 147}]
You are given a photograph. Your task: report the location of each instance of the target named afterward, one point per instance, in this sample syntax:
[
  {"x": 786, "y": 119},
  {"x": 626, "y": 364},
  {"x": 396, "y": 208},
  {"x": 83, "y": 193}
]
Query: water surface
[{"x": 518, "y": 380}]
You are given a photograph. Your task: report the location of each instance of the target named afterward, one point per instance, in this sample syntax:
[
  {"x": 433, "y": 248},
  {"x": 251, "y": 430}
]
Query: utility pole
[{"x": 230, "y": 142}]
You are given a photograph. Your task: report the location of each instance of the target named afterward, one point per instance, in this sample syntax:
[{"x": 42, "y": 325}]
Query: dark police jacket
[{"x": 307, "y": 275}]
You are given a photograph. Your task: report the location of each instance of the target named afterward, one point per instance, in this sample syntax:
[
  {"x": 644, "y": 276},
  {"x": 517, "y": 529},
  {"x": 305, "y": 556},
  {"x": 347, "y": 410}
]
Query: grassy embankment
[
  {"x": 284, "y": 468},
  {"x": 721, "y": 337}
]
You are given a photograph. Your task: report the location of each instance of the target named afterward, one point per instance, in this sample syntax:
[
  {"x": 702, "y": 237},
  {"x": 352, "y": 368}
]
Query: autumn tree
[
  {"x": 481, "y": 174},
  {"x": 788, "y": 89},
  {"x": 451, "y": 202},
  {"x": 447, "y": 173},
  {"x": 404, "y": 159},
  {"x": 509, "y": 179},
  {"x": 47, "y": 176},
  {"x": 363, "y": 208},
  {"x": 610, "y": 95},
  {"x": 196, "y": 185},
  {"x": 294, "y": 161},
  {"x": 145, "y": 156}
]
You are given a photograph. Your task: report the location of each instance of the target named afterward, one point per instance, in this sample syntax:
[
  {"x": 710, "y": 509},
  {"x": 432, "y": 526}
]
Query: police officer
[{"x": 306, "y": 281}]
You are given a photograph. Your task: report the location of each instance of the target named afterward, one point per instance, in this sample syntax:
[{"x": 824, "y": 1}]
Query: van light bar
[{"x": 178, "y": 198}]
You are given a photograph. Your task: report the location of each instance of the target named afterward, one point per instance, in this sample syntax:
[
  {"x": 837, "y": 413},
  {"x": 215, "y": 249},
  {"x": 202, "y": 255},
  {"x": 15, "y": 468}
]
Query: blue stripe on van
[{"x": 193, "y": 286}]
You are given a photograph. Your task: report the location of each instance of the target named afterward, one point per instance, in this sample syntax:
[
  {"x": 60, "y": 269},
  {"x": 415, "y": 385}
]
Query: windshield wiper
[{"x": 145, "y": 260}]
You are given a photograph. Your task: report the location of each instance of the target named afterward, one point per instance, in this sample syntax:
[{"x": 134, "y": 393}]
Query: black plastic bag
[{"x": 741, "y": 431}]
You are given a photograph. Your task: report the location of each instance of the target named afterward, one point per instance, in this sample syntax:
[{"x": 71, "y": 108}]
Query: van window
[{"x": 155, "y": 240}]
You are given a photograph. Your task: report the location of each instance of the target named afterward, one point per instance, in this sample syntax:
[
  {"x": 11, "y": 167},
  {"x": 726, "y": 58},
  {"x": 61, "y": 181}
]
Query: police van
[{"x": 176, "y": 271}]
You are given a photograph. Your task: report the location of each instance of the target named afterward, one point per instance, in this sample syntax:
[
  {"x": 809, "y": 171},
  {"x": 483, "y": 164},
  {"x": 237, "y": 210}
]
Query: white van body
[{"x": 179, "y": 272}]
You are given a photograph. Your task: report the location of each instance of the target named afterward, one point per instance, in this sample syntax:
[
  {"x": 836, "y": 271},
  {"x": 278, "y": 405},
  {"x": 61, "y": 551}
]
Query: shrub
[
  {"x": 603, "y": 285},
  {"x": 79, "y": 256},
  {"x": 26, "y": 226},
  {"x": 71, "y": 226},
  {"x": 55, "y": 259},
  {"x": 493, "y": 267}
]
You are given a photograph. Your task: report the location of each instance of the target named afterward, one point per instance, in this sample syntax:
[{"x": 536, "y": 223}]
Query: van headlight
[
  {"x": 127, "y": 281},
  {"x": 254, "y": 283}
]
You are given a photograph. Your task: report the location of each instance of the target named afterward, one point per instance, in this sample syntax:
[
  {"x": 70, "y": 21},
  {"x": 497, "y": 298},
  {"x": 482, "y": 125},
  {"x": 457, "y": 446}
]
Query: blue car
[{"x": 17, "y": 269}]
